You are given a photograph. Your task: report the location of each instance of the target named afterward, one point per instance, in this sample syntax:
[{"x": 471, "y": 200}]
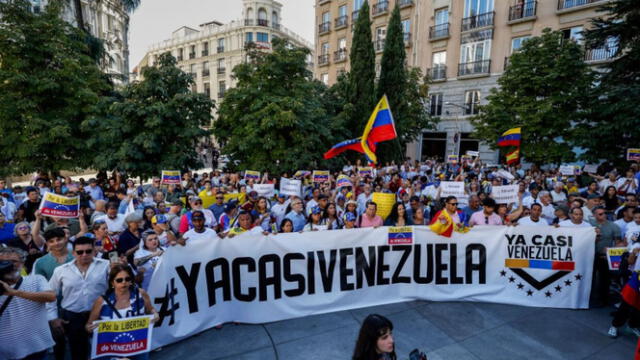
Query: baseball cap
[
  {"x": 316, "y": 210},
  {"x": 281, "y": 195},
  {"x": 230, "y": 205},
  {"x": 197, "y": 215},
  {"x": 159, "y": 219},
  {"x": 349, "y": 217},
  {"x": 563, "y": 208},
  {"x": 176, "y": 203}
]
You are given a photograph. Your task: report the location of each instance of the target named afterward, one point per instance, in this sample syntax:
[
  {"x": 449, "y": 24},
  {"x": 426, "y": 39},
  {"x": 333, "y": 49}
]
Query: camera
[
  {"x": 6, "y": 268},
  {"x": 417, "y": 355}
]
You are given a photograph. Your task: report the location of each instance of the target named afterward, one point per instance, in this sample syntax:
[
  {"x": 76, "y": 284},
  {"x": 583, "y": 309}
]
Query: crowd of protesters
[{"x": 99, "y": 265}]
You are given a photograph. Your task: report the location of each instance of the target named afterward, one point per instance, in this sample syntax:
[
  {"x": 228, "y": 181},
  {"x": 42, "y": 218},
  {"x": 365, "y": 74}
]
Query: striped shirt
[{"x": 24, "y": 328}]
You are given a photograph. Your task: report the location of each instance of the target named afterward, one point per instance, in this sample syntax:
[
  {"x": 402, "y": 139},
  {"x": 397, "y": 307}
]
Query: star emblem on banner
[
  {"x": 503, "y": 273},
  {"x": 547, "y": 294},
  {"x": 567, "y": 283},
  {"x": 529, "y": 292},
  {"x": 578, "y": 277},
  {"x": 558, "y": 288},
  {"x": 512, "y": 279},
  {"x": 520, "y": 286}
]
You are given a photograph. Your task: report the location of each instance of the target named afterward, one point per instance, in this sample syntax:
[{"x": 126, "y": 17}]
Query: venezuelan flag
[
  {"x": 513, "y": 157},
  {"x": 510, "y": 137},
  {"x": 631, "y": 291},
  {"x": 380, "y": 127},
  {"x": 339, "y": 148}
]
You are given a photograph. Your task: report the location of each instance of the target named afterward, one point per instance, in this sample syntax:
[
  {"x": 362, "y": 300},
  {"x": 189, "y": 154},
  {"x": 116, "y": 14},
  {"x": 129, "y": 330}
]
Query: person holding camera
[
  {"x": 375, "y": 341},
  {"x": 80, "y": 282},
  {"x": 24, "y": 328}
]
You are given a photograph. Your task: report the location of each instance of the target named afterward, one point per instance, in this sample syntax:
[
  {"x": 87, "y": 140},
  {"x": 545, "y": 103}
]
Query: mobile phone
[{"x": 113, "y": 257}]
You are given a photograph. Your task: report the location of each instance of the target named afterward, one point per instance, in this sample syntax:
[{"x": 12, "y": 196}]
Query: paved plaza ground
[{"x": 443, "y": 330}]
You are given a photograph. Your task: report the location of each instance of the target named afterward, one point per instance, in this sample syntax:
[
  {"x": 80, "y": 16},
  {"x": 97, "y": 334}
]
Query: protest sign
[
  {"x": 473, "y": 153},
  {"x": 264, "y": 278},
  {"x": 614, "y": 257},
  {"x": 384, "y": 202},
  {"x": 266, "y": 190},
  {"x": 568, "y": 170},
  {"x": 507, "y": 194},
  {"x": 452, "y": 188},
  {"x": 253, "y": 175},
  {"x": 320, "y": 176},
  {"x": 505, "y": 174},
  {"x": 590, "y": 168},
  {"x": 633, "y": 154},
  {"x": 343, "y": 181},
  {"x": 301, "y": 173},
  {"x": 466, "y": 159},
  {"x": 60, "y": 206},
  {"x": 123, "y": 338},
  {"x": 290, "y": 187},
  {"x": 365, "y": 171},
  {"x": 171, "y": 177},
  {"x": 452, "y": 159}
]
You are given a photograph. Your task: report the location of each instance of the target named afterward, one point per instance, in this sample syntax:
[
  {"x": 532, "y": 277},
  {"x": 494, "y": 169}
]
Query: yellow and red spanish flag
[{"x": 513, "y": 157}]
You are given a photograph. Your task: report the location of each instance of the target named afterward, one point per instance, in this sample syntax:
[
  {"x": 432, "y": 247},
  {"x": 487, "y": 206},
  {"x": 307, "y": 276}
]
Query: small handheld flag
[{"x": 510, "y": 137}]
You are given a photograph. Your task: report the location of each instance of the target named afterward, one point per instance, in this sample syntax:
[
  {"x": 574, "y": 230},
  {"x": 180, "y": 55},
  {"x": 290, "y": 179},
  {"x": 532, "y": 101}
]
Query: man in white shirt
[
  {"x": 548, "y": 211},
  {"x": 575, "y": 219},
  {"x": 533, "y": 198},
  {"x": 80, "y": 282},
  {"x": 199, "y": 231},
  {"x": 534, "y": 218},
  {"x": 24, "y": 330},
  {"x": 626, "y": 219},
  {"x": 364, "y": 198},
  {"x": 633, "y": 229},
  {"x": 278, "y": 210},
  {"x": 611, "y": 180},
  {"x": 558, "y": 194},
  {"x": 115, "y": 222},
  {"x": 628, "y": 184}
]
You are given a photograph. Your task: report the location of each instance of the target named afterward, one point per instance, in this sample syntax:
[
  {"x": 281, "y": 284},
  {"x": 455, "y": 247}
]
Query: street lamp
[{"x": 457, "y": 137}]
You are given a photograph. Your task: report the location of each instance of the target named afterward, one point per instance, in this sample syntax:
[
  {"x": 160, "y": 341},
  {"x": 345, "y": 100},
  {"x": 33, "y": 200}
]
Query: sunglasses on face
[
  {"x": 121, "y": 280},
  {"x": 453, "y": 204},
  {"x": 82, "y": 252},
  {"x": 23, "y": 228}
]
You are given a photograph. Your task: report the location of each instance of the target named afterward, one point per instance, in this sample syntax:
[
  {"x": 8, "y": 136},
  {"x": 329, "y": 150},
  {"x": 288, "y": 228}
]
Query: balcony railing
[
  {"x": 221, "y": 70},
  {"x": 263, "y": 22},
  {"x": 405, "y": 3},
  {"x": 248, "y": 22},
  {"x": 205, "y": 73},
  {"x": 523, "y": 10},
  {"x": 600, "y": 54},
  {"x": 407, "y": 38},
  {"x": 567, "y": 4},
  {"x": 439, "y": 31},
  {"x": 324, "y": 27},
  {"x": 340, "y": 55},
  {"x": 379, "y": 45},
  {"x": 474, "y": 67},
  {"x": 192, "y": 55},
  {"x": 205, "y": 53},
  {"x": 438, "y": 72},
  {"x": 220, "y": 49},
  {"x": 382, "y": 7},
  {"x": 323, "y": 59},
  {"x": 342, "y": 21},
  {"x": 477, "y": 21}
]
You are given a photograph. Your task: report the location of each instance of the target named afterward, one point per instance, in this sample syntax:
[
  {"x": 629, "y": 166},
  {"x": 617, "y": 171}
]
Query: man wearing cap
[
  {"x": 173, "y": 215},
  {"x": 199, "y": 231},
  {"x": 196, "y": 204},
  {"x": 533, "y": 198},
  {"x": 279, "y": 209},
  {"x": 228, "y": 218},
  {"x": 114, "y": 221},
  {"x": 160, "y": 226}
]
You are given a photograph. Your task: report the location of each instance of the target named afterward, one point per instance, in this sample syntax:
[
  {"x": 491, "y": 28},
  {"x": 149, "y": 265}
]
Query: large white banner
[{"x": 255, "y": 279}]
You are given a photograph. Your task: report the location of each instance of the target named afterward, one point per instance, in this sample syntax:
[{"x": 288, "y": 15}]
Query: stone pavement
[{"x": 451, "y": 331}]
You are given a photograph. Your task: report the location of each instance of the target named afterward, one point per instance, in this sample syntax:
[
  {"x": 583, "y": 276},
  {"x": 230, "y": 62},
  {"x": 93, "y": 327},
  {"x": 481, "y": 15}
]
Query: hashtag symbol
[{"x": 167, "y": 303}]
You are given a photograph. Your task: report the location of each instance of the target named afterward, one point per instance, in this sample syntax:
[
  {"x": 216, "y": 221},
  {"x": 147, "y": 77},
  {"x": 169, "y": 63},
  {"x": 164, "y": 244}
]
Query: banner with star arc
[{"x": 258, "y": 279}]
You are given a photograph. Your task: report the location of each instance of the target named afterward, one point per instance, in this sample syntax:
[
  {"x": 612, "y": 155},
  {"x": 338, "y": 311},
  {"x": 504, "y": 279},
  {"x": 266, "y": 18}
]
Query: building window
[
  {"x": 220, "y": 66},
  {"x": 435, "y": 104},
  {"x": 574, "y": 33},
  {"x": 274, "y": 19},
  {"x": 192, "y": 70},
  {"x": 324, "y": 48},
  {"x": 248, "y": 37},
  {"x": 516, "y": 43},
  {"x": 476, "y": 7},
  {"x": 180, "y": 54},
  {"x": 471, "y": 102},
  {"x": 222, "y": 88},
  {"x": 441, "y": 16},
  {"x": 325, "y": 78},
  {"x": 205, "y": 68},
  {"x": 207, "y": 89},
  {"x": 205, "y": 48},
  {"x": 357, "y": 4},
  {"x": 475, "y": 51},
  {"x": 342, "y": 44},
  {"x": 342, "y": 11},
  {"x": 262, "y": 37},
  {"x": 192, "y": 52},
  {"x": 406, "y": 30}
]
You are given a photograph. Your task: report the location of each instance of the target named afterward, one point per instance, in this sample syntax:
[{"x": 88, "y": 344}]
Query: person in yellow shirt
[{"x": 208, "y": 195}]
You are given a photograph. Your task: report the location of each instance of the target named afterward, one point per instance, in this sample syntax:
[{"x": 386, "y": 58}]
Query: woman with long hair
[
  {"x": 147, "y": 256},
  {"x": 350, "y": 207},
  {"x": 611, "y": 202},
  {"x": 375, "y": 340},
  {"x": 122, "y": 300},
  {"x": 147, "y": 214},
  {"x": 398, "y": 216},
  {"x": 261, "y": 214},
  {"x": 286, "y": 226},
  {"x": 315, "y": 221},
  {"x": 331, "y": 217}
]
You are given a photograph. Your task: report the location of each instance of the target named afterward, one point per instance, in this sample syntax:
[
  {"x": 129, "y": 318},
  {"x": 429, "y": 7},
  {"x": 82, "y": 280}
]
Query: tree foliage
[
  {"x": 405, "y": 89},
  {"x": 546, "y": 89},
  {"x": 276, "y": 118},
  {"x": 153, "y": 125},
  {"x": 616, "y": 112},
  {"x": 49, "y": 85}
]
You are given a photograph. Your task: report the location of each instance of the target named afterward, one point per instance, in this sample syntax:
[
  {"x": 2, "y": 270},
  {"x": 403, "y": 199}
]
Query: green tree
[
  {"x": 275, "y": 119},
  {"x": 614, "y": 127},
  {"x": 405, "y": 90},
  {"x": 361, "y": 96},
  {"x": 49, "y": 85},
  {"x": 153, "y": 125},
  {"x": 545, "y": 90}
]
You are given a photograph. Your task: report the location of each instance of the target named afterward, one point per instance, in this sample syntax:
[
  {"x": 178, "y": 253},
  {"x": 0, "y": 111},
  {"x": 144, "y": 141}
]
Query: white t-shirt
[
  {"x": 633, "y": 230},
  {"x": 631, "y": 247},
  {"x": 623, "y": 225},
  {"x": 548, "y": 213},
  {"x": 207, "y": 234},
  {"x": 631, "y": 188},
  {"x": 114, "y": 225},
  {"x": 526, "y": 221},
  {"x": 568, "y": 223},
  {"x": 529, "y": 200},
  {"x": 604, "y": 184},
  {"x": 558, "y": 197}
]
